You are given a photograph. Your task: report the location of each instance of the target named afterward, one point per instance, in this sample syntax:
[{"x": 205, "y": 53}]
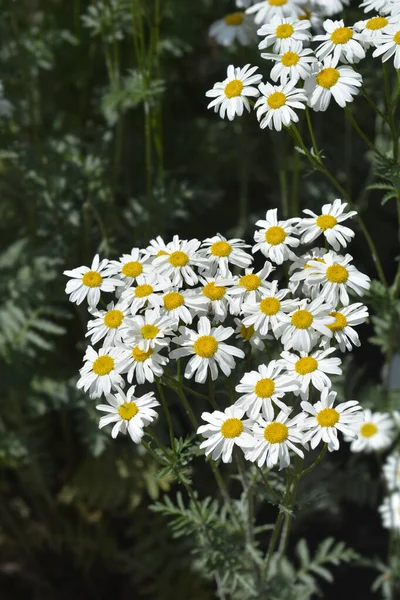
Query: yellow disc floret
[
  {"x": 328, "y": 77},
  {"x": 103, "y": 365},
  {"x": 178, "y": 259},
  {"x": 233, "y": 89},
  {"x": 270, "y": 306},
  {"x": 128, "y": 410},
  {"x": 325, "y": 222},
  {"x": 284, "y": 31},
  {"x": 328, "y": 417},
  {"x": 92, "y": 279},
  {"x": 341, "y": 35},
  {"x": 275, "y": 235},
  {"x": 368, "y": 430},
  {"x": 149, "y": 332},
  {"x": 302, "y": 319},
  {"x": 141, "y": 291},
  {"x": 396, "y": 37},
  {"x": 277, "y": 2},
  {"x": 307, "y": 266},
  {"x": 276, "y": 100},
  {"x": 276, "y": 433},
  {"x": 113, "y": 319},
  {"x": 376, "y": 23},
  {"x": 250, "y": 282},
  {"x": 173, "y": 300},
  {"x": 221, "y": 249},
  {"x": 140, "y": 355},
  {"x": 206, "y": 346},
  {"x": 214, "y": 292},
  {"x": 132, "y": 269},
  {"x": 234, "y": 19},
  {"x": 306, "y": 365},
  {"x": 340, "y": 322},
  {"x": 246, "y": 332},
  {"x": 289, "y": 59},
  {"x": 337, "y": 274},
  {"x": 264, "y": 388},
  {"x": 232, "y": 428}
]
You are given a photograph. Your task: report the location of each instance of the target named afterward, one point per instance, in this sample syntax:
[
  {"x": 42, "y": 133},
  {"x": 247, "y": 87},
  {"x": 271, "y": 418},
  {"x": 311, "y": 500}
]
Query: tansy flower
[
  {"x": 339, "y": 43},
  {"x": 326, "y": 420},
  {"x": 233, "y": 27},
  {"x": 145, "y": 293},
  {"x": 156, "y": 247},
  {"x": 275, "y": 106},
  {"x": 298, "y": 272},
  {"x": 130, "y": 414},
  {"x": 231, "y": 95},
  {"x": 346, "y": 318},
  {"x": 129, "y": 266},
  {"x": 391, "y": 471},
  {"x": 328, "y": 80},
  {"x": 178, "y": 264},
  {"x": 90, "y": 282},
  {"x": 283, "y": 32},
  {"x": 313, "y": 12},
  {"x": 269, "y": 312},
  {"x": 302, "y": 328},
  {"x": 249, "y": 334},
  {"x": 329, "y": 223},
  {"x": 371, "y": 29},
  {"x": 390, "y": 512},
  {"x": 291, "y": 65},
  {"x": 268, "y": 9},
  {"x": 375, "y": 433},
  {"x": 149, "y": 330},
  {"x": 101, "y": 372},
  {"x": 183, "y": 305},
  {"x": 221, "y": 253},
  {"x": 224, "y": 431},
  {"x": 215, "y": 290},
  {"x": 331, "y": 7},
  {"x": 250, "y": 287},
  {"x": 108, "y": 324},
  {"x": 388, "y": 45},
  {"x": 311, "y": 369},
  {"x": 208, "y": 349},
  {"x": 379, "y": 6},
  {"x": 142, "y": 364},
  {"x": 275, "y": 238}
]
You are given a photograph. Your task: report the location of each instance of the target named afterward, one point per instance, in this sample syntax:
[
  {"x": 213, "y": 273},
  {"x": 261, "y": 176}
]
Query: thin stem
[
  {"x": 316, "y": 462},
  {"x": 373, "y": 105},
  {"x": 356, "y": 126},
  {"x": 267, "y": 485},
  {"x": 277, "y": 527},
  {"x": 167, "y": 413},
  {"x": 312, "y": 134}
]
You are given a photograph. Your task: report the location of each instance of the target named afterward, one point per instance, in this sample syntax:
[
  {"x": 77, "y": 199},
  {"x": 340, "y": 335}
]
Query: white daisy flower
[
  {"x": 156, "y": 248},
  {"x": 142, "y": 364},
  {"x": 145, "y": 293},
  {"x": 372, "y": 29},
  {"x": 390, "y": 512},
  {"x": 129, "y": 266},
  {"x": 379, "y": 6},
  {"x": 282, "y": 33},
  {"x": 275, "y": 106},
  {"x": 89, "y": 283},
  {"x": 149, "y": 330},
  {"x": 375, "y": 433},
  {"x": 251, "y": 286},
  {"x": 303, "y": 327},
  {"x": 219, "y": 301},
  {"x": 231, "y": 95},
  {"x": 108, "y": 324},
  {"x": 312, "y": 11},
  {"x": 179, "y": 264},
  {"x": 275, "y": 238},
  {"x": 269, "y": 312},
  {"x": 224, "y": 431},
  {"x": 130, "y": 414},
  {"x": 249, "y": 334},
  {"x": 329, "y": 223},
  {"x": 391, "y": 471},
  {"x": 388, "y": 45},
  {"x": 183, "y": 305},
  {"x": 274, "y": 437},
  {"x": 101, "y": 372},
  {"x": 343, "y": 328},
  {"x": 311, "y": 369},
  {"x": 292, "y": 65},
  {"x": 332, "y": 7},
  {"x": 325, "y": 421},
  {"x": 267, "y": 9},
  {"x": 208, "y": 349},
  {"x": 336, "y": 275},
  {"x": 261, "y": 388},
  {"x": 220, "y": 253},
  {"x": 328, "y": 80},
  {"x": 298, "y": 272},
  {"x": 341, "y": 43},
  {"x": 244, "y": 3},
  {"x": 233, "y": 27}
]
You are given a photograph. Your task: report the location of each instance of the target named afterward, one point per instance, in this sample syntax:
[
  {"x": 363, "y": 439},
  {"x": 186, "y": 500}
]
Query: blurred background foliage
[{"x": 105, "y": 142}]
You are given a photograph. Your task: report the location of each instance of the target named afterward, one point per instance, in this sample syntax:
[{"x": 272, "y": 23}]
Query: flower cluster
[
  {"x": 188, "y": 299},
  {"x": 310, "y": 53}
]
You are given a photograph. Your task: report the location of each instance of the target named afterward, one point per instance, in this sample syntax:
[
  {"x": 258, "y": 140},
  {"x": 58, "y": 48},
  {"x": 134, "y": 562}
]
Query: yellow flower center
[
  {"x": 302, "y": 319},
  {"x": 127, "y": 410},
  {"x": 276, "y": 100},
  {"x": 250, "y": 282},
  {"x": 328, "y": 77},
  {"x": 140, "y": 355},
  {"x": 376, "y": 23},
  {"x": 275, "y": 235},
  {"x": 277, "y": 2},
  {"x": 341, "y": 35},
  {"x": 92, "y": 279},
  {"x": 232, "y": 428},
  {"x": 233, "y": 89},
  {"x": 270, "y": 306},
  {"x": 103, "y": 365},
  {"x": 178, "y": 259},
  {"x": 214, "y": 292},
  {"x": 149, "y": 331},
  {"x": 340, "y": 323},
  {"x": 289, "y": 59},
  {"x": 132, "y": 269},
  {"x": 234, "y": 19},
  {"x": 306, "y": 365},
  {"x": 321, "y": 260},
  {"x": 396, "y": 37},
  {"x": 305, "y": 15},
  {"x": 368, "y": 430},
  {"x": 284, "y": 31},
  {"x": 113, "y": 319},
  {"x": 276, "y": 433},
  {"x": 206, "y": 346},
  {"x": 141, "y": 291},
  {"x": 337, "y": 274},
  {"x": 328, "y": 417},
  {"x": 247, "y": 332},
  {"x": 325, "y": 222},
  {"x": 264, "y": 388},
  {"x": 221, "y": 249},
  {"x": 162, "y": 253},
  {"x": 173, "y": 300}
]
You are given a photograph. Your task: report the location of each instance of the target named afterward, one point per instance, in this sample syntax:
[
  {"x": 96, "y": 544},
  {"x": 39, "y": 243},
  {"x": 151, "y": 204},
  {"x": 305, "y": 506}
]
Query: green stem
[
  {"x": 356, "y": 126},
  {"x": 267, "y": 485},
  {"x": 276, "y": 530},
  {"x": 312, "y": 134},
  {"x": 373, "y": 105},
  {"x": 167, "y": 413},
  {"x": 316, "y": 462}
]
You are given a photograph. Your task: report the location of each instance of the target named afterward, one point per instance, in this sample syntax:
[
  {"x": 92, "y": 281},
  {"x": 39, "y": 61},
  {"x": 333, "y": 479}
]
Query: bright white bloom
[
  {"x": 374, "y": 434},
  {"x": 391, "y": 471},
  {"x": 146, "y": 292},
  {"x": 293, "y": 64},
  {"x": 325, "y": 421},
  {"x": 231, "y": 95},
  {"x": 156, "y": 248},
  {"x": 101, "y": 371},
  {"x": 244, "y": 3},
  {"x": 275, "y": 106},
  {"x": 388, "y": 45},
  {"x": 298, "y": 272},
  {"x": 249, "y": 334},
  {"x": 268, "y": 9},
  {"x": 250, "y": 287},
  {"x": 108, "y": 324},
  {"x": 183, "y": 305},
  {"x": 261, "y": 388},
  {"x": 313, "y": 12},
  {"x": 379, "y": 6},
  {"x": 220, "y": 253},
  {"x": 208, "y": 350},
  {"x": 331, "y": 7},
  {"x": 371, "y": 29},
  {"x": 234, "y": 27},
  {"x": 340, "y": 43},
  {"x": 343, "y": 328},
  {"x": 219, "y": 302},
  {"x": 329, "y": 223},
  {"x": 327, "y": 80},
  {"x": 390, "y": 512},
  {"x": 130, "y": 414},
  {"x": 273, "y": 438},
  {"x": 149, "y": 330},
  {"x": 336, "y": 275},
  {"x": 303, "y": 327},
  {"x": 89, "y": 282},
  {"x": 178, "y": 264},
  {"x": 224, "y": 431},
  {"x": 269, "y": 312},
  {"x": 128, "y": 267},
  {"x": 274, "y": 240},
  {"x": 143, "y": 364},
  {"x": 311, "y": 369},
  {"x": 283, "y": 32}
]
